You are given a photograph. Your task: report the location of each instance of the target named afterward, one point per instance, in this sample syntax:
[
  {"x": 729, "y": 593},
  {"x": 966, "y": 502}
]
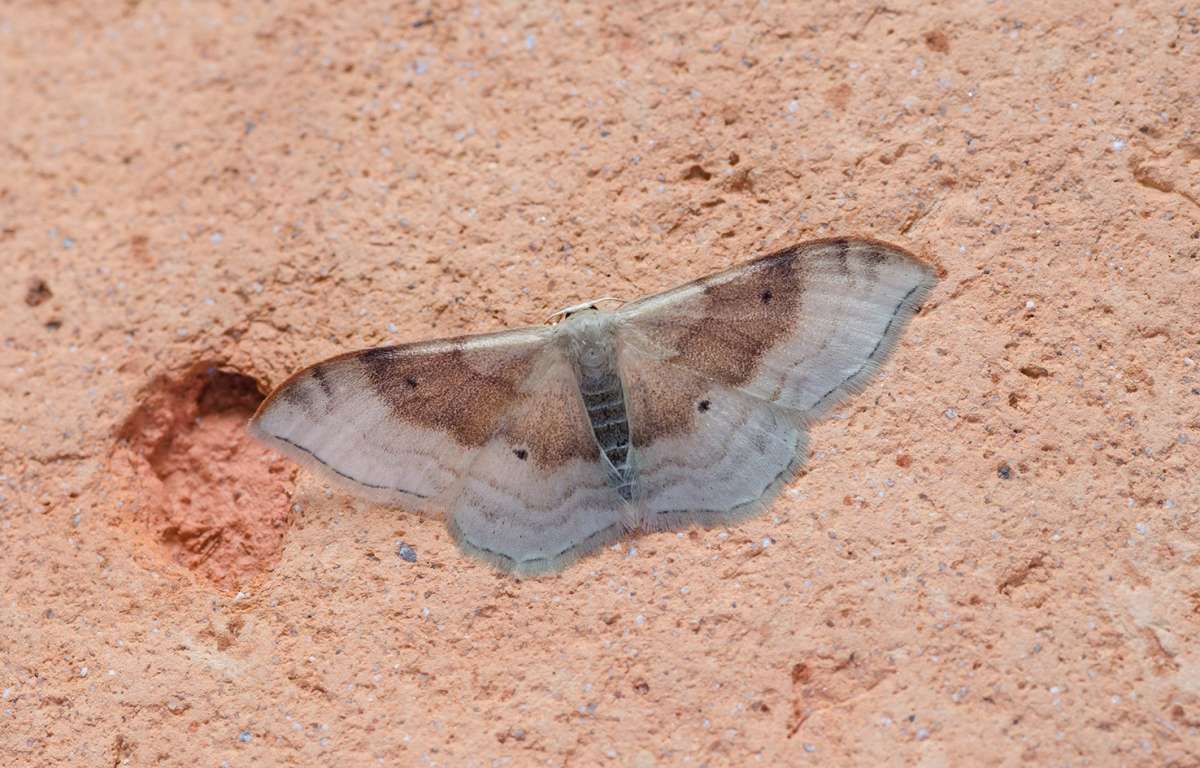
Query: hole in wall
[{"x": 207, "y": 495}]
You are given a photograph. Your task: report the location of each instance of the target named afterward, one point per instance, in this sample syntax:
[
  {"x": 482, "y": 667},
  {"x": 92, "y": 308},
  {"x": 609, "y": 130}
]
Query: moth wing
[
  {"x": 704, "y": 452},
  {"x": 400, "y": 424},
  {"x": 801, "y": 328},
  {"x": 538, "y": 495}
]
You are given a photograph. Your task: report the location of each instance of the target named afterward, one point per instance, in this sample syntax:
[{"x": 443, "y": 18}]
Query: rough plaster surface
[{"x": 994, "y": 558}]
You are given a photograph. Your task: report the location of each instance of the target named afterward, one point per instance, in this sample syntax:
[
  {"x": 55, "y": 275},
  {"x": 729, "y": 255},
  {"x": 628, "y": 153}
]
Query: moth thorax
[
  {"x": 591, "y": 342},
  {"x": 595, "y": 360},
  {"x": 596, "y": 369}
]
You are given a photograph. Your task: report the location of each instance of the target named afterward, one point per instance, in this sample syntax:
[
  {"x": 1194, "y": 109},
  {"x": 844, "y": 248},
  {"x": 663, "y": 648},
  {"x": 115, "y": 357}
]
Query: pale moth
[{"x": 543, "y": 444}]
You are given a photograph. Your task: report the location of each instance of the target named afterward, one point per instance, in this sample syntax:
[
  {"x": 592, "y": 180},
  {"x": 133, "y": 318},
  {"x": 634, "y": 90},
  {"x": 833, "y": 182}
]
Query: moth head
[{"x": 574, "y": 309}]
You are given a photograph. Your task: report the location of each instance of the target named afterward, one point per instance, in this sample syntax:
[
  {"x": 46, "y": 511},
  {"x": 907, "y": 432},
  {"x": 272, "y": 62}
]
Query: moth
[{"x": 544, "y": 444}]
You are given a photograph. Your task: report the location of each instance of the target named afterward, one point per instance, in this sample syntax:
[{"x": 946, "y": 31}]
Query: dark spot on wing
[
  {"x": 703, "y": 406},
  {"x": 766, "y": 297},
  {"x": 521, "y": 454}
]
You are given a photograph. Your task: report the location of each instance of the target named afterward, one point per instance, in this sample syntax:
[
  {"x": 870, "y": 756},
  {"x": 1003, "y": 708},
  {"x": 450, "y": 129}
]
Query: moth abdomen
[
  {"x": 606, "y": 412},
  {"x": 604, "y": 402}
]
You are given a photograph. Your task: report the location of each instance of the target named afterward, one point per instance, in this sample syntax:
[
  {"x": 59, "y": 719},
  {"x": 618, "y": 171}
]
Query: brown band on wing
[
  {"x": 551, "y": 429},
  {"x": 744, "y": 315},
  {"x": 476, "y": 396},
  {"x": 663, "y": 400},
  {"x": 447, "y": 390}
]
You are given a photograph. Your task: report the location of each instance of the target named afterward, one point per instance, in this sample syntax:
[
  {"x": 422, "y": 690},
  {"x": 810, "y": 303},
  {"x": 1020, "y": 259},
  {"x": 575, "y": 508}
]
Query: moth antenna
[{"x": 565, "y": 312}]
